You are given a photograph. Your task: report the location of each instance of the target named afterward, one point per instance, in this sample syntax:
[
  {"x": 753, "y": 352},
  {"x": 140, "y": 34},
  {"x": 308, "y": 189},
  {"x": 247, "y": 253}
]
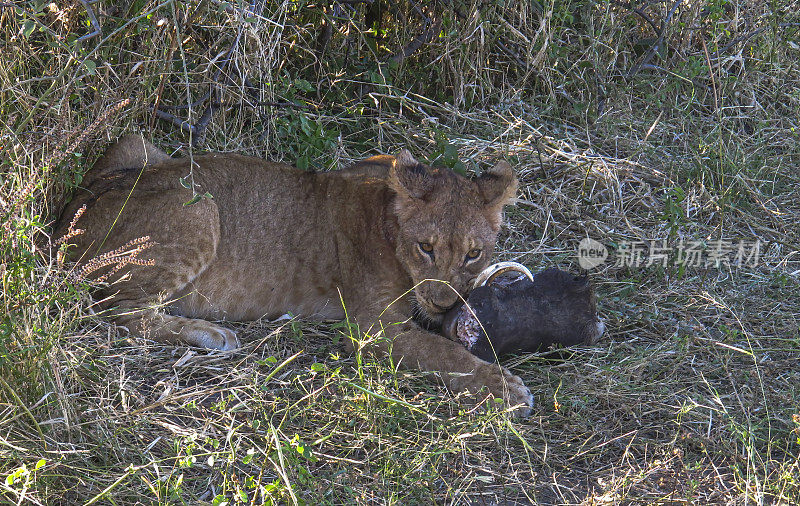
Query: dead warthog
[{"x": 513, "y": 311}]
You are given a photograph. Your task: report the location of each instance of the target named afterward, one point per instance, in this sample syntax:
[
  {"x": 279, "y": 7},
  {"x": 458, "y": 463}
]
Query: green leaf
[
  {"x": 40, "y": 464},
  {"x": 90, "y": 66},
  {"x": 303, "y": 162},
  {"x": 305, "y": 126},
  {"x": 247, "y": 458},
  {"x": 28, "y": 27},
  {"x": 317, "y": 367},
  {"x": 304, "y": 85},
  {"x": 184, "y": 183},
  {"x": 194, "y": 200}
]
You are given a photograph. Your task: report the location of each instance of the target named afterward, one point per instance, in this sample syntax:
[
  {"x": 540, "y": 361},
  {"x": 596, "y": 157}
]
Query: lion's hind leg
[{"x": 183, "y": 243}]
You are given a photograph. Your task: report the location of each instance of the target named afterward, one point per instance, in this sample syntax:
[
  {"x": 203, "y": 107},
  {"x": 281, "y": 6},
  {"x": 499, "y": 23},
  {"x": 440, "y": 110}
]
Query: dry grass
[{"x": 692, "y": 398}]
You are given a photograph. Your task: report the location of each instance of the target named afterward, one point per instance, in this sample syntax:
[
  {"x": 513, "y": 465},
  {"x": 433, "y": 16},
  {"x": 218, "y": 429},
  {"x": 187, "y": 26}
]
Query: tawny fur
[{"x": 275, "y": 239}]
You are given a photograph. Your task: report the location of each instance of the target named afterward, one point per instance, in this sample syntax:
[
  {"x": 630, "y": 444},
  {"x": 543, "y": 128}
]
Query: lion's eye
[
  {"x": 426, "y": 248},
  {"x": 473, "y": 254}
]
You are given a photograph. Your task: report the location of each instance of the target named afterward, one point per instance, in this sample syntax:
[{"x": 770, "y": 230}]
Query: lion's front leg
[{"x": 413, "y": 347}]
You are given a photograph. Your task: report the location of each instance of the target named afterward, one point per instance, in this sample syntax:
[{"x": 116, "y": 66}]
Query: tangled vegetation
[{"x": 659, "y": 128}]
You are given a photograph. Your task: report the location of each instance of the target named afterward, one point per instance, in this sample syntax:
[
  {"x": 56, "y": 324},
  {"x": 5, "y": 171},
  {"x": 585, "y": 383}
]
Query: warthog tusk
[{"x": 488, "y": 274}]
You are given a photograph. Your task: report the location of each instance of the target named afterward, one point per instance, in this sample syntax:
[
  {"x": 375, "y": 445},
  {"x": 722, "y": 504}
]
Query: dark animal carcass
[{"x": 523, "y": 315}]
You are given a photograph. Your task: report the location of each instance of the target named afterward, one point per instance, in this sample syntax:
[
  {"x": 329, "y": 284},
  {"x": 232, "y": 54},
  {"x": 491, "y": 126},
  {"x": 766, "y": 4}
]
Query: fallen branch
[
  {"x": 172, "y": 46},
  {"x": 513, "y": 54},
  {"x": 196, "y": 129},
  {"x": 199, "y": 135}
]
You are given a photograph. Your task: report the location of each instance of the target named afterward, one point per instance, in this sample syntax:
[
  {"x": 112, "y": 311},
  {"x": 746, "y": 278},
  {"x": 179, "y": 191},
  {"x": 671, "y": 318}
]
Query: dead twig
[
  {"x": 417, "y": 43},
  {"x": 196, "y": 103},
  {"x": 171, "y": 118},
  {"x": 96, "y": 29},
  {"x": 427, "y": 34},
  {"x": 660, "y": 40},
  {"x": 744, "y": 38},
  {"x": 431, "y": 28},
  {"x": 199, "y": 135},
  {"x": 214, "y": 101},
  {"x": 638, "y": 11},
  {"x": 513, "y": 54},
  {"x": 172, "y": 46},
  {"x": 711, "y": 75}
]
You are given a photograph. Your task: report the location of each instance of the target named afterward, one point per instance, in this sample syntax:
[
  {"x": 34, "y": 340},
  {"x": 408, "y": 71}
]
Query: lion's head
[{"x": 447, "y": 226}]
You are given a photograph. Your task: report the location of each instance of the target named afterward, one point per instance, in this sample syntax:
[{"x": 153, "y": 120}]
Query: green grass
[{"x": 693, "y": 397}]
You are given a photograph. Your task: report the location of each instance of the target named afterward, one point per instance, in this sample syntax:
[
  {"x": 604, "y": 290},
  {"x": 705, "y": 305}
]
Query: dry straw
[{"x": 13, "y": 205}]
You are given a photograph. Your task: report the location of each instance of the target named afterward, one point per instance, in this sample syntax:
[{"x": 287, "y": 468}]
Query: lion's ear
[
  {"x": 408, "y": 177},
  {"x": 498, "y": 185}
]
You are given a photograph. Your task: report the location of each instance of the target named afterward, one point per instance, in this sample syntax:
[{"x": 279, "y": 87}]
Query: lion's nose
[{"x": 444, "y": 309}]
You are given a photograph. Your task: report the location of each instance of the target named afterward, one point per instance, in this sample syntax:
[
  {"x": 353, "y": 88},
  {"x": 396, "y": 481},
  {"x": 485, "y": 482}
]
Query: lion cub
[{"x": 275, "y": 239}]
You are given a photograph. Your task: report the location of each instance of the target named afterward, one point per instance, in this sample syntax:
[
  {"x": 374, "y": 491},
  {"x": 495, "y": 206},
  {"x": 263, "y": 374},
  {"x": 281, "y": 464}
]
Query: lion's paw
[
  {"x": 211, "y": 336},
  {"x": 500, "y": 383}
]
